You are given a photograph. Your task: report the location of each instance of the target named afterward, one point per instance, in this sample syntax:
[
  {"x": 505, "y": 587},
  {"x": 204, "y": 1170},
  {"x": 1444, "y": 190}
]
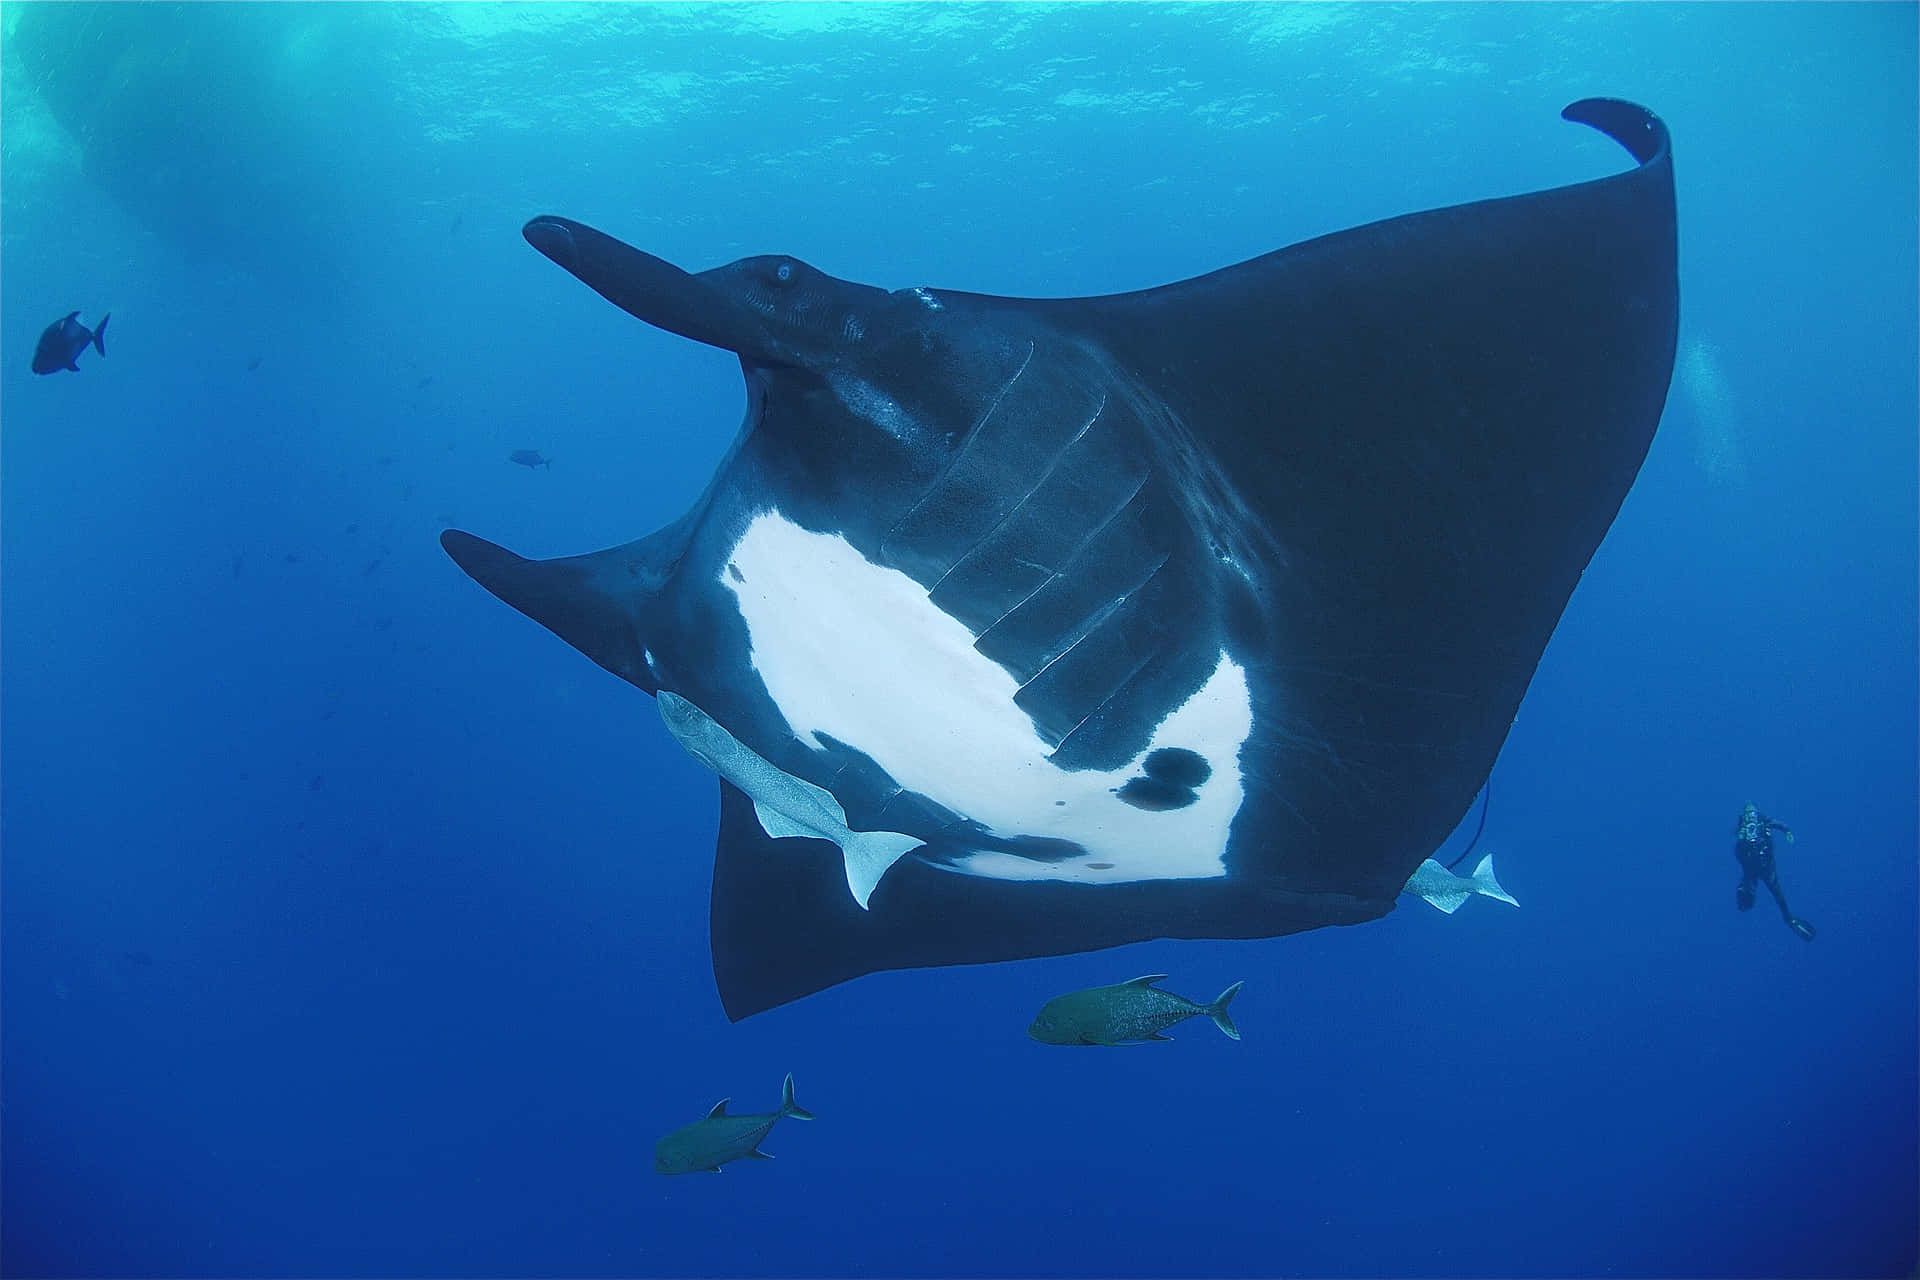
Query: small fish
[
  {"x": 1447, "y": 891},
  {"x": 530, "y": 458},
  {"x": 64, "y": 340},
  {"x": 705, "y": 1145},
  {"x": 1127, "y": 1013}
]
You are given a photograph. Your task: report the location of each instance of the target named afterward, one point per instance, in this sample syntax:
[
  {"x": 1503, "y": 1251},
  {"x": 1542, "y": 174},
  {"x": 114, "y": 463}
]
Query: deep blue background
[{"x": 351, "y": 924}]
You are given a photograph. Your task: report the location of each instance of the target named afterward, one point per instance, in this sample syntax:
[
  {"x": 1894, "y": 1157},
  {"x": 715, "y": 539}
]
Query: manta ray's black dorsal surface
[{"x": 1018, "y": 627}]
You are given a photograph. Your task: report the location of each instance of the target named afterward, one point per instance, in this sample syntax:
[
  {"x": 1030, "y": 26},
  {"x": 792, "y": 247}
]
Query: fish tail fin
[
  {"x": 868, "y": 855},
  {"x": 788, "y": 1107},
  {"x": 1218, "y": 1011},
  {"x": 1484, "y": 882},
  {"x": 100, "y": 335}
]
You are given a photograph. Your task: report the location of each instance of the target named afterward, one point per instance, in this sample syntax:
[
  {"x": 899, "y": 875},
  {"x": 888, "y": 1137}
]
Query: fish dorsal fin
[
  {"x": 1146, "y": 980},
  {"x": 719, "y": 1109},
  {"x": 72, "y": 316}
]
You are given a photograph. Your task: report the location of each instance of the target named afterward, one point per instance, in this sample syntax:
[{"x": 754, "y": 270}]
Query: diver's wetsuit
[{"x": 1753, "y": 846}]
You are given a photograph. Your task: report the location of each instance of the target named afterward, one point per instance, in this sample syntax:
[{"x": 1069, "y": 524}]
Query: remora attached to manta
[{"x": 1016, "y": 627}]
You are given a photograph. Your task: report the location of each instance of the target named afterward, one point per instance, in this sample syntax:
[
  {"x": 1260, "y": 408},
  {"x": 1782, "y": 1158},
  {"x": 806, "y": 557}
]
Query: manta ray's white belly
[{"x": 856, "y": 652}]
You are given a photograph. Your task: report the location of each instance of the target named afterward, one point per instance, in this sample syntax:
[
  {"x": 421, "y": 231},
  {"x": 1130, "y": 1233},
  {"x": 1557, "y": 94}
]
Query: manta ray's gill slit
[
  {"x": 1019, "y": 506},
  {"x": 1034, "y": 417},
  {"x": 1129, "y": 634},
  {"x": 1005, "y": 387},
  {"x": 1095, "y": 620},
  {"x": 966, "y": 442},
  {"x": 1119, "y": 687},
  {"x": 1114, "y": 561},
  {"x": 1022, "y": 563}
]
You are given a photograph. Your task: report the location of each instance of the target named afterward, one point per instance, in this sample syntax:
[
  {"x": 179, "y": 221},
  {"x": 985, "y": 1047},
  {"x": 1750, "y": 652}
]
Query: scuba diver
[{"x": 1753, "y": 846}]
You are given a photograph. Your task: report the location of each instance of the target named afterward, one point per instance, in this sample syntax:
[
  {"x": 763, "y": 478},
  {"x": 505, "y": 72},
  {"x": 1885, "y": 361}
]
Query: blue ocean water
[{"x": 350, "y": 924}]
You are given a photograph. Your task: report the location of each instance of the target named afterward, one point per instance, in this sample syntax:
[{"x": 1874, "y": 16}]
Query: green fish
[
  {"x": 1128, "y": 1013},
  {"x": 705, "y": 1145}
]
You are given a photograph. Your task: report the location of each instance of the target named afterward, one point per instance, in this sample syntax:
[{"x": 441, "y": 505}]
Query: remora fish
[
  {"x": 530, "y": 458},
  {"x": 706, "y": 1144},
  {"x": 1447, "y": 891},
  {"x": 62, "y": 342},
  {"x": 1126, "y": 1013}
]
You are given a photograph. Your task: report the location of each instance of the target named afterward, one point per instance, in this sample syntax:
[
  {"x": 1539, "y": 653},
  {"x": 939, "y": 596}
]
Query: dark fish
[
  {"x": 705, "y": 1145},
  {"x": 530, "y": 458},
  {"x": 63, "y": 341},
  {"x": 1125, "y": 1013}
]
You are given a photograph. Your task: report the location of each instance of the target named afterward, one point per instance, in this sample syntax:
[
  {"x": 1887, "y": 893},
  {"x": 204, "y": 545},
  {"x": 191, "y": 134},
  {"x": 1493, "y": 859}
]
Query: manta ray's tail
[
  {"x": 1218, "y": 1011},
  {"x": 1485, "y": 883}
]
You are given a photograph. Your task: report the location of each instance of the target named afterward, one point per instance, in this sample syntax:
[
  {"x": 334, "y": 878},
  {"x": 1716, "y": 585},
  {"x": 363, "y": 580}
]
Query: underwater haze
[{"x": 353, "y": 925}]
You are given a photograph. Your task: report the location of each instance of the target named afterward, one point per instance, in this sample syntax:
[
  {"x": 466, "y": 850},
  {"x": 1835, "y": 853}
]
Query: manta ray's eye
[{"x": 783, "y": 272}]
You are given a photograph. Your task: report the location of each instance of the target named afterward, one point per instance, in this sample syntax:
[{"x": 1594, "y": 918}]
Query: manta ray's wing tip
[{"x": 1627, "y": 123}]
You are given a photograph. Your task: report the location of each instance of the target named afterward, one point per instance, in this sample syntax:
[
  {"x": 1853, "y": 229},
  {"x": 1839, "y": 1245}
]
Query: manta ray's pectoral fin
[{"x": 598, "y": 603}]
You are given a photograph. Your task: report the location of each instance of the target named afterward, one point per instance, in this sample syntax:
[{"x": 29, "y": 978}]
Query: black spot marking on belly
[
  {"x": 1099, "y": 866},
  {"x": 1170, "y": 777},
  {"x": 1179, "y": 766},
  {"x": 1155, "y": 796},
  {"x": 1046, "y": 849},
  {"x": 734, "y": 570}
]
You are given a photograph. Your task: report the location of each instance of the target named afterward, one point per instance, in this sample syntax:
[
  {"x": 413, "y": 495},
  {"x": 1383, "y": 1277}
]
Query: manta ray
[{"x": 1015, "y": 627}]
